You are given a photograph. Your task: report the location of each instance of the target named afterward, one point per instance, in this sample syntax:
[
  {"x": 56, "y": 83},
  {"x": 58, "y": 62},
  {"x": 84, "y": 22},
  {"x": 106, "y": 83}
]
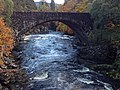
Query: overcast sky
[{"x": 56, "y": 1}]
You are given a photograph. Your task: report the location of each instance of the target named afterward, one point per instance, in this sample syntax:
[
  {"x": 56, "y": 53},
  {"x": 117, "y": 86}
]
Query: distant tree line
[
  {"x": 24, "y": 5},
  {"x": 106, "y": 16}
]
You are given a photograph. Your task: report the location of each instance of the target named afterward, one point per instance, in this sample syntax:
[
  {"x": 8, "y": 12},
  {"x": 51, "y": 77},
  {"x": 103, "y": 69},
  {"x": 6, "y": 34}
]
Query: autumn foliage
[
  {"x": 64, "y": 28},
  {"x": 6, "y": 41},
  {"x": 67, "y": 7}
]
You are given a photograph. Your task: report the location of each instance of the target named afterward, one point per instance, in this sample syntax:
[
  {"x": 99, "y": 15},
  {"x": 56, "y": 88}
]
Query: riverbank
[
  {"x": 12, "y": 77},
  {"x": 110, "y": 70},
  {"x": 103, "y": 60}
]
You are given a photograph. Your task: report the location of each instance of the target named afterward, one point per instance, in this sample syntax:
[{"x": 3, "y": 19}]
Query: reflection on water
[{"x": 50, "y": 60}]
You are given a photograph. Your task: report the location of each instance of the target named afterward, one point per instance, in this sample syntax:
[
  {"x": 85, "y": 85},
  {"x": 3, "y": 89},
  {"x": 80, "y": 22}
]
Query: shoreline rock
[
  {"x": 104, "y": 59},
  {"x": 99, "y": 54},
  {"x": 11, "y": 77}
]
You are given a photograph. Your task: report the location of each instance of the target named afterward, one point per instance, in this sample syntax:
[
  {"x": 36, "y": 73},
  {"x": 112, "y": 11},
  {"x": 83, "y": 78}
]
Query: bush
[
  {"x": 6, "y": 41},
  {"x": 8, "y": 11},
  {"x": 105, "y": 14}
]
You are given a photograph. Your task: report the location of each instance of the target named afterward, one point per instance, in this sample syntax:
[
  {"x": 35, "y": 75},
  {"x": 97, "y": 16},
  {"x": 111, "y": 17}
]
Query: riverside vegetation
[{"x": 10, "y": 73}]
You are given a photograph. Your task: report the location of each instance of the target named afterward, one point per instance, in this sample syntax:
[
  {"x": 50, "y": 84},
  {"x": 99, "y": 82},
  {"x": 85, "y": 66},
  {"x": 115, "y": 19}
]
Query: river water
[{"x": 51, "y": 64}]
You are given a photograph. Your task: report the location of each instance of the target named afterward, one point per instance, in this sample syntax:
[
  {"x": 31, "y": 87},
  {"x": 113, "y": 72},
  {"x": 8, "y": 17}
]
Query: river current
[{"x": 51, "y": 64}]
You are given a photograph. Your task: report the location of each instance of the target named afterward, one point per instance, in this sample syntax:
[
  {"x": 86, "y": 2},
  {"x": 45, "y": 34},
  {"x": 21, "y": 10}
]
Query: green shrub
[
  {"x": 8, "y": 10},
  {"x": 105, "y": 14}
]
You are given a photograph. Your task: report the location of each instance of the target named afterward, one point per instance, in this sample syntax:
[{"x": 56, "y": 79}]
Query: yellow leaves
[
  {"x": 68, "y": 6},
  {"x": 82, "y": 6},
  {"x": 1, "y": 63},
  {"x": 64, "y": 28},
  {"x": 6, "y": 40},
  {"x": 44, "y": 7}
]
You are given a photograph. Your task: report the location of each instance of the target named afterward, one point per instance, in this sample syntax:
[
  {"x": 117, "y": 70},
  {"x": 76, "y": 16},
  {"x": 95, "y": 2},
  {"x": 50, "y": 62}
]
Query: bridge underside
[{"x": 80, "y": 23}]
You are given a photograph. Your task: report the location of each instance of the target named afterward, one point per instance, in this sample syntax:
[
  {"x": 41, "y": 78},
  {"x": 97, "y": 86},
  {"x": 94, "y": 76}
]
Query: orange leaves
[
  {"x": 1, "y": 63},
  {"x": 1, "y": 22},
  {"x": 6, "y": 40},
  {"x": 68, "y": 6},
  {"x": 82, "y": 6}
]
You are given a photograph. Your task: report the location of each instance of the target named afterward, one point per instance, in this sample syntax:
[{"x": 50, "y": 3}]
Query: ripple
[
  {"x": 87, "y": 81},
  {"x": 83, "y": 70}
]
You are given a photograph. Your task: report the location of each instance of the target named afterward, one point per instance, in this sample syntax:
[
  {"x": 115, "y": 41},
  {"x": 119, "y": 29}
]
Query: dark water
[{"x": 51, "y": 63}]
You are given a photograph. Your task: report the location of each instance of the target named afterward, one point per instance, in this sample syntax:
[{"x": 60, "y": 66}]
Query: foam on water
[
  {"x": 87, "y": 81},
  {"x": 84, "y": 69},
  {"x": 50, "y": 62},
  {"x": 42, "y": 77}
]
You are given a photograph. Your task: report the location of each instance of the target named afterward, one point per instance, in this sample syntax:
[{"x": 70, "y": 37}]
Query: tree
[
  {"x": 8, "y": 11},
  {"x": 24, "y": 5},
  {"x": 1, "y": 7},
  {"x": 69, "y": 6},
  {"x": 64, "y": 28},
  {"x": 44, "y": 6},
  {"x": 6, "y": 41},
  {"x": 52, "y": 5},
  {"x": 83, "y": 6},
  {"x": 106, "y": 15}
]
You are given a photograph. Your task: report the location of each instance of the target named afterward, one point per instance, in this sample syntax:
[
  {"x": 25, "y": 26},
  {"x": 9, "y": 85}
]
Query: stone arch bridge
[{"x": 80, "y": 23}]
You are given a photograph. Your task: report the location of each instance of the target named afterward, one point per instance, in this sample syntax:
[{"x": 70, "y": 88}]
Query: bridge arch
[
  {"x": 49, "y": 21},
  {"x": 80, "y": 23}
]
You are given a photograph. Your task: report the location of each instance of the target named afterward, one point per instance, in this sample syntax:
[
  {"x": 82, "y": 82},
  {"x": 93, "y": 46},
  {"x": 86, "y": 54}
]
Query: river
[{"x": 51, "y": 64}]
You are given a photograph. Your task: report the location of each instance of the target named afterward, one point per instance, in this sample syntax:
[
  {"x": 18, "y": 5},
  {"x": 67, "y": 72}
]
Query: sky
[{"x": 56, "y": 1}]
